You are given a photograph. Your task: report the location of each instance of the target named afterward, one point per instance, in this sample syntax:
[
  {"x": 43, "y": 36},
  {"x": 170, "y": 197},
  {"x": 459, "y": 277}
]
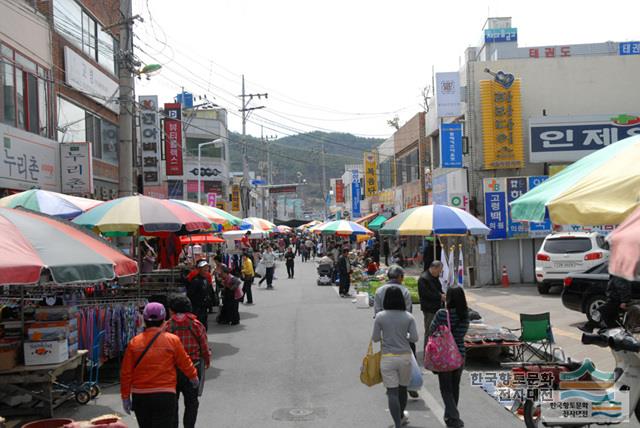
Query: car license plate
[{"x": 564, "y": 265}]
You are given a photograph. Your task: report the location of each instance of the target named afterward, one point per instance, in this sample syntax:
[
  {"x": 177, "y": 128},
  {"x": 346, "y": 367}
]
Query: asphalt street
[{"x": 295, "y": 358}]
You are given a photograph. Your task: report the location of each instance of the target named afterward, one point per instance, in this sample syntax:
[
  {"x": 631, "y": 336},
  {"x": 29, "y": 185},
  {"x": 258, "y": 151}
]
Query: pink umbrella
[{"x": 625, "y": 248}]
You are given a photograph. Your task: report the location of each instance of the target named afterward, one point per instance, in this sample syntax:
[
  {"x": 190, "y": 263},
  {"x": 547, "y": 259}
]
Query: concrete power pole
[
  {"x": 324, "y": 183},
  {"x": 125, "y": 120},
  {"x": 246, "y": 110}
]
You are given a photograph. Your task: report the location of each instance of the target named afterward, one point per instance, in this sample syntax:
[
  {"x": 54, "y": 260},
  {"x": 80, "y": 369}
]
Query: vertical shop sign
[
  {"x": 370, "y": 173},
  {"x": 339, "y": 192},
  {"x": 496, "y": 214},
  {"x": 235, "y": 197},
  {"x": 516, "y": 187},
  {"x": 356, "y": 194},
  {"x": 448, "y": 94},
  {"x": 150, "y": 140},
  {"x": 75, "y": 166},
  {"x": 539, "y": 230},
  {"x": 502, "y": 123},
  {"x": 451, "y": 145},
  {"x": 212, "y": 199},
  {"x": 173, "y": 138}
]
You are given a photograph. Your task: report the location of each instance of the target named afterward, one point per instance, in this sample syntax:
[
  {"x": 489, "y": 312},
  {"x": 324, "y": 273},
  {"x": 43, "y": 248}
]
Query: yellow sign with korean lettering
[
  {"x": 235, "y": 197},
  {"x": 503, "y": 147},
  {"x": 370, "y": 173}
]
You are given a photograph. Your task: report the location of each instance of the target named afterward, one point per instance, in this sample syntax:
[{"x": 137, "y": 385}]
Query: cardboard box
[
  {"x": 45, "y": 352},
  {"x": 8, "y": 359},
  {"x": 71, "y": 324}
]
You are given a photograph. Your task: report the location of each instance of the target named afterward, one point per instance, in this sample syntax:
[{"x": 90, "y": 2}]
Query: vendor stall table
[{"x": 39, "y": 382}]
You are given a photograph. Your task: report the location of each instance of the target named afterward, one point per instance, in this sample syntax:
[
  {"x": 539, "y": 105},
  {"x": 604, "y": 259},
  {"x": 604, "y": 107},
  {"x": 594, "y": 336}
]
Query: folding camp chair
[{"x": 536, "y": 338}]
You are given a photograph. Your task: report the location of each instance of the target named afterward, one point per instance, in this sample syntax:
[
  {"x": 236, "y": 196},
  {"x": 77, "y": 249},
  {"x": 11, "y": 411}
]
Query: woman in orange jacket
[{"x": 148, "y": 374}]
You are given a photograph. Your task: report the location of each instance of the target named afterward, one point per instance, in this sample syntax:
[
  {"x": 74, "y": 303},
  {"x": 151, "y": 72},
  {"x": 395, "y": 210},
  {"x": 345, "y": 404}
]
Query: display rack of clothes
[{"x": 120, "y": 320}]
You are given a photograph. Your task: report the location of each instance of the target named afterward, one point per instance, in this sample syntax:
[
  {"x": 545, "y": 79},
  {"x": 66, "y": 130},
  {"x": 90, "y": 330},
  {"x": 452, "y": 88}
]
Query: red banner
[
  {"x": 339, "y": 192},
  {"x": 173, "y": 138}
]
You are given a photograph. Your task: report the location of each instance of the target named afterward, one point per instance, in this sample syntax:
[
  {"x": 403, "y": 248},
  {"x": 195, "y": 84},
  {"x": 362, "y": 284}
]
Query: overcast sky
[{"x": 344, "y": 65}]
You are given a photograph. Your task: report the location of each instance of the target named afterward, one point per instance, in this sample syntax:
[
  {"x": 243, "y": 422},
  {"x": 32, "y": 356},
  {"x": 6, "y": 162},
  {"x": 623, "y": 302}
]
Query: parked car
[
  {"x": 585, "y": 292},
  {"x": 568, "y": 252}
]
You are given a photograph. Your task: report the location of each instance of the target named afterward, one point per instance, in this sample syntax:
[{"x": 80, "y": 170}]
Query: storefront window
[
  {"x": 67, "y": 20},
  {"x": 20, "y": 99},
  {"x": 93, "y": 134},
  {"x": 71, "y": 122},
  {"x": 109, "y": 142},
  {"x": 43, "y": 102},
  {"x": 106, "y": 48},
  {"x": 8, "y": 93}
]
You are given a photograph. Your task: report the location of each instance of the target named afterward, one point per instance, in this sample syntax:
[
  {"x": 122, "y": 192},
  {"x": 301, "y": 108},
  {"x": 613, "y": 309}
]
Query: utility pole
[
  {"x": 125, "y": 119},
  {"x": 246, "y": 110},
  {"x": 324, "y": 183}
]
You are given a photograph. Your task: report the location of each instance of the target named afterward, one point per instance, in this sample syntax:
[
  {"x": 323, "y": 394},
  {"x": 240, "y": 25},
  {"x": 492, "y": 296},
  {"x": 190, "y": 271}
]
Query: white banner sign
[
  {"x": 28, "y": 160},
  {"x": 85, "y": 77},
  {"x": 76, "y": 171},
  {"x": 150, "y": 139},
  {"x": 448, "y": 94}
]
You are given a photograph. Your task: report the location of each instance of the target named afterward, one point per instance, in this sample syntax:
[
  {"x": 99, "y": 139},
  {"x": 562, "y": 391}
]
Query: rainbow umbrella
[
  {"x": 602, "y": 188},
  {"x": 214, "y": 214},
  {"x": 32, "y": 243},
  {"x": 259, "y": 223},
  {"x": 434, "y": 220},
  {"x": 283, "y": 229},
  {"x": 341, "y": 228},
  {"x": 50, "y": 203},
  {"x": 309, "y": 225},
  {"x": 142, "y": 214}
]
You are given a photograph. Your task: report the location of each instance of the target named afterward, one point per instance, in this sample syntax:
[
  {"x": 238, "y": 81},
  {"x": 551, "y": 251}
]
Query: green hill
[{"x": 302, "y": 153}]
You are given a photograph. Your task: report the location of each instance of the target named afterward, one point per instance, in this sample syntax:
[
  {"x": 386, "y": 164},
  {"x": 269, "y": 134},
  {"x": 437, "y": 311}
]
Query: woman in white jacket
[{"x": 269, "y": 260}]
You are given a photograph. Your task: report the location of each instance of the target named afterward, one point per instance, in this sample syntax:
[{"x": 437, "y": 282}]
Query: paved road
[{"x": 294, "y": 362}]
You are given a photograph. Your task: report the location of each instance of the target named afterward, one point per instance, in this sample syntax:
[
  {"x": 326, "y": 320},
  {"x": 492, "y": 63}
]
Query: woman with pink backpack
[{"x": 452, "y": 321}]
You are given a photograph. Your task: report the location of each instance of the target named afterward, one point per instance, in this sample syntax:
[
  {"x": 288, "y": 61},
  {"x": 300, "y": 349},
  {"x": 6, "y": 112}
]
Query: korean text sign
[
  {"x": 355, "y": 194},
  {"x": 496, "y": 214},
  {"x": 448, "y": 94},
  {"x": 150, "y": 139},
  {"x": 498, "y": 35},
  {"x": 76, "y": 171},
  {"x": 516, "y": 187},
  {"x": 370, "y": 173},
  {"x": 339, "y": 192},
  {"x": 503, "y": 146},
  {"x": 451, "y": 145},
  {"x": 173, "y": 138},
  {"x": 629, "y": 48},
  {"x": 544, "y": 228}
]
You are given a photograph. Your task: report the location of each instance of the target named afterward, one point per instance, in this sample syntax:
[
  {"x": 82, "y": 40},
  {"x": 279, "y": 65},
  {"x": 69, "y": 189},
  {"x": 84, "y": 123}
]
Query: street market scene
[{"x": 341, "y": 214}]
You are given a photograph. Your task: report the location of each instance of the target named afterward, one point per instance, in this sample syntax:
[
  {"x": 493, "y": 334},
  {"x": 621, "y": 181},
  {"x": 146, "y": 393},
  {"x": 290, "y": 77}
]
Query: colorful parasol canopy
[
  {"x": 283, "y": 229},
  {"x": 601, "y": 188},
  {"x": 259, "y": 223},
  {"x": 434, "y": 220},
  {"x": 309, "y": 225},
  {"x": 201, "y": 238},
  {"x": 365, "y": 219},
  {"x": 377, "y": 222},
  {"x": 214, "y": 214},
  {"x": 625, "y": 248},
  {"x": 31, "y": 243},
  {"x": 236, "y": 235},
  {"x": 341, "y": 228},
  {"x": 142, "y": 214},
  {"x": 50, "y": 203}
]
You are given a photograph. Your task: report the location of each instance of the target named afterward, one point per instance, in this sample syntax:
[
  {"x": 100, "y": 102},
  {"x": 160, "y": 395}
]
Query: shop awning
[
  {"x": 377, "y": 222},
  {"x": 365, "y": 219}
]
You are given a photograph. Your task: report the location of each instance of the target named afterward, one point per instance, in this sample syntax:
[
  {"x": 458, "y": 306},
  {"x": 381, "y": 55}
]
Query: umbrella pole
[
  {"x": 435, "y": 247},
  {"x": 137, "y": 250}
]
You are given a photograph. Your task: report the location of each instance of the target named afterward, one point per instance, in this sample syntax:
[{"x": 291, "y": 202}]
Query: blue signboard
[
  {"x": 516, "y": 187},
  {"x": 355, "y": 194},
  {"x": 451, "y": 145},
  {"x": 629, "y": 48},
  {"x": 186, "y": 99},
  {"x": 567, "y": 140},
  {"x": 176, "y": 189},
  {"x": 495, "y": 209},
  {"x": 498, "y": 35},
  {"x": 544, "y": 228}
]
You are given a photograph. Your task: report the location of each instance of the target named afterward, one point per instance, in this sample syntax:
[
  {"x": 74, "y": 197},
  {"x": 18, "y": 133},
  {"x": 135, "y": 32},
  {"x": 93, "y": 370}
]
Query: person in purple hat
[{"x": 148, "y": 374}]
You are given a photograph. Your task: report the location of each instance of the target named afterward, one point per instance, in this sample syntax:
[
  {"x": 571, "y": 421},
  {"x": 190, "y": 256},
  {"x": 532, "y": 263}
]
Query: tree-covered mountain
[{"x": 302, "y": 153}]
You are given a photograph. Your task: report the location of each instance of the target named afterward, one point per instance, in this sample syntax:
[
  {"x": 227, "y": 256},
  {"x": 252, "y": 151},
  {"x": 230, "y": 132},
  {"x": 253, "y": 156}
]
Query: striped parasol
[
  {"x": 259, "y": 223},
  {"x": 601, "y": 188},
  {"x": 214, "y": 214},
  {"x": 341, "y": 228},
  {"x": 434, "y": 220},
  {"x": 31, "y": 243},
  {"x": 142, "y": 214},
  {"x": 283, "y": 229},
  {"x": 50, "y": 203}
]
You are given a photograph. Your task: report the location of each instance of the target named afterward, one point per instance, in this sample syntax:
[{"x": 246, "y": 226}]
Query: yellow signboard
[
  {"x": 235, "y": 197},
  {"x": 370, "y": 173},
  {"x": 503, "y": 147}
]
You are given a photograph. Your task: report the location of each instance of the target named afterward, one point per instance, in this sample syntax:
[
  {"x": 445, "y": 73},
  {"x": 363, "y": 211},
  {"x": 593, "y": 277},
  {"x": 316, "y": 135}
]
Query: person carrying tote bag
[
  {"x": 396, "y": 329},
  {"x": 445, "y": 351}
]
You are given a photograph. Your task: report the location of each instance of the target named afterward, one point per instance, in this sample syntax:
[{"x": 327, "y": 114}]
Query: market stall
[{"x": 51, "y": 272}]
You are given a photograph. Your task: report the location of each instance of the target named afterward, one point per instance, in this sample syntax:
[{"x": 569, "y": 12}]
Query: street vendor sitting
[
  {"x": 325, "y": 261},
  {"x": 372, "y": 267}
]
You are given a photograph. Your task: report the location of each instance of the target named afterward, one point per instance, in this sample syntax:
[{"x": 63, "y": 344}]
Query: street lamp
[{"x": 206, "y": 143}]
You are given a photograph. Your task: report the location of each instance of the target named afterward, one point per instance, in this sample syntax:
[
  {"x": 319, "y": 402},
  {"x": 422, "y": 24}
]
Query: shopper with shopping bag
[
  {"x": 396, "y": 329},
  {"x": 445, "y": 351}
]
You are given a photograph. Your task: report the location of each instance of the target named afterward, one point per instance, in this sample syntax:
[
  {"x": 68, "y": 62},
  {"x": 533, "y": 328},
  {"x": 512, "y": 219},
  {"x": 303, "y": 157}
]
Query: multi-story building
[{"x": 526, "y": 112}]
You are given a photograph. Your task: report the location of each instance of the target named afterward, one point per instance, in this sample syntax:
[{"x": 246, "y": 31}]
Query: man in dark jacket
[
  {"x": 344, "y": 270},
  {"x": 197, "y": 291},
  {"x": 431, "y": 295},
  {"x": 618, "y": 296}
]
